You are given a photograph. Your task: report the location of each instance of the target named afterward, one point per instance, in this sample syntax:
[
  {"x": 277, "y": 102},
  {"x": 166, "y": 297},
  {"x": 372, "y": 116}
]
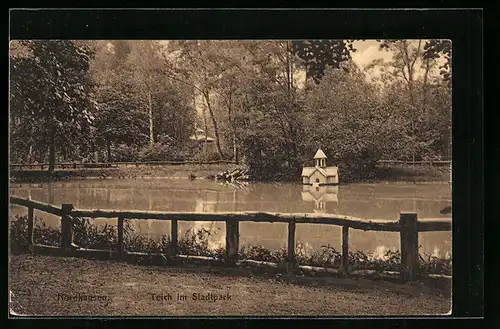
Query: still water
[{"x": 371, "y": 201}]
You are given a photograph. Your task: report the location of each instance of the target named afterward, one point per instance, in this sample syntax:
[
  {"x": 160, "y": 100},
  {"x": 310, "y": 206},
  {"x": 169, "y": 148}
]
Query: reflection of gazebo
[
  {"x": 201, "y": 140},
  {"x": 207, "y": 201},
  {"x": 320, "y": 195}
]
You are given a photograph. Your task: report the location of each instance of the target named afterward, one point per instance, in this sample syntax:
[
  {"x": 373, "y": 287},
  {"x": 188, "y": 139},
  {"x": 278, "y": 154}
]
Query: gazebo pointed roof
[{"x": 320, "y": 154}]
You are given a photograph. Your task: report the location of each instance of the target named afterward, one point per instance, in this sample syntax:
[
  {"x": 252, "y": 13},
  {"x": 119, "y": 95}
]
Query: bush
[
  {"x": 262, "y": 254},
  {"x": 195, "y": 243},
  {"x": 155, "y": 152},
  {"x": 197, "y": 155},
  {"x": 89, "y": 235},
  {"x": 326, "y": 257},
  {"x": 125, "y": 153},
  {"x": 18, "y": 233},
  {"x": 18, "y": 238}
]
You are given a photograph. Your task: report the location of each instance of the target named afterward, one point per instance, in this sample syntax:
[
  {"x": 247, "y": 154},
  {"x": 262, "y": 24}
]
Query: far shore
[{"x": 208, "y": 171}]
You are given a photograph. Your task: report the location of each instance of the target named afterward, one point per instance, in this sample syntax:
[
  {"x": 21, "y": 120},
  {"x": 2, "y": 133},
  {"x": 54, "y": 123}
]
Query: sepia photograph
[{"x": 290, "y": 177}]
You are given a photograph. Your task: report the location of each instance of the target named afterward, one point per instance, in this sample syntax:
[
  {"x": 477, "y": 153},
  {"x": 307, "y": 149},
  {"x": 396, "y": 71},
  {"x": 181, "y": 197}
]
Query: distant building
[
  {"x": 202, "y": 141},
  {"x": 320, "y": 174}
]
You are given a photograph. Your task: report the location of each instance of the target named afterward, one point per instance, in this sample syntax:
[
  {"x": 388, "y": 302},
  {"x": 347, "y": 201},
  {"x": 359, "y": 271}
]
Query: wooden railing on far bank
[
  {"x": 437, "y": 163},
  {"x": 407, "y": 225},
  {"x": 75, "y": 165}
]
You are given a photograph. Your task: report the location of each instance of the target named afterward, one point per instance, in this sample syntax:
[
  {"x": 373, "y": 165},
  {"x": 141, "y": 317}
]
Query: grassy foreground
[{"x": 45, "y": 286}]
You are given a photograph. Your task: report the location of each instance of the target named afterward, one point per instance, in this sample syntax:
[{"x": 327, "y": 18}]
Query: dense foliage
[
  {"x": 268, "y": 104},
  {"x": 52, "y": 101}
]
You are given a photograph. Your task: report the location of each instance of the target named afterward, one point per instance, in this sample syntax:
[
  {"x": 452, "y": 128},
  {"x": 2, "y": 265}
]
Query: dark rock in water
[{"x": 446, "y": 210}]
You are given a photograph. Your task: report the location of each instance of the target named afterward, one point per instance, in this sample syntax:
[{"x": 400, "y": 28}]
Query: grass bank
[
  {"x": 416, "y": 174},
  {"x": 171, "y": 171},
  {"x": 413, "y": 174},
  {"x": 47, "y": 286}
]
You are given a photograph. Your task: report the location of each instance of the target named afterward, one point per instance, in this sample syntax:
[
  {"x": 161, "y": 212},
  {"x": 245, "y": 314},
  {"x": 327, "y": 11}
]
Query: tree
[
  {"x": 126, "y": 86},
  {"x": 270, "y": 105},
  {"x": 346, "y": 119},
  {"x": 434, "y": 49},
  {"x": 408, "y": 89},
  {"x": 53, "y": 88},
  {"x": 146, "y": 62},
  {"x": 201, "y": 65},
  {"x": 119, "y": 119},
  {"x": 320, "y": 54},
  {"x": 174, "y": 113},
  {"x": 405, "y": 56}
]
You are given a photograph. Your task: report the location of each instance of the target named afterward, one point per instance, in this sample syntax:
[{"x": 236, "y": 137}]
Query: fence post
[
  {"x": 121, "y": 244},
  {"x": 291, "y": 244},
  {"x": 409, "y": 246},
  {"x": 66, "y": 227},
  {"x": 232, "y": 240},
  {"x": 174, "y": 231},
  {"x": 345, "y": 248},
  {"x": 30, "y": 227}
]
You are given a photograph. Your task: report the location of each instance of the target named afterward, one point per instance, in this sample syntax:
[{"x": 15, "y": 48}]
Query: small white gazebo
[{"x": 320, "y": 174}]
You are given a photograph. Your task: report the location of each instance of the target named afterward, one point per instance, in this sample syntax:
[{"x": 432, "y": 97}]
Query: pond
[{"x": 370, "y": 201}]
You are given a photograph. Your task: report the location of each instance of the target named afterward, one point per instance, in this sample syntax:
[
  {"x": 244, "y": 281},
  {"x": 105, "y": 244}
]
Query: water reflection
[
  {"x": 372, "y": 201},
  {"x": 322, "y": 196},
  {"x": 207, "y": 201}
]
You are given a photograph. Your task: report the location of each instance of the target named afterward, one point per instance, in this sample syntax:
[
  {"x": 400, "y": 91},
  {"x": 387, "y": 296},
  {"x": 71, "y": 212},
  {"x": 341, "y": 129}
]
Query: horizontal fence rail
[
  {"x": 74, "y": 165},
  {"x": 424, "y": 162},
  {"x": 408, "y": 226}
]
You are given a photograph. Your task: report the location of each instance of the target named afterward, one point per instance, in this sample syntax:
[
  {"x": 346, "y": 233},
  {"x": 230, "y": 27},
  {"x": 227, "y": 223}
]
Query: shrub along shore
[{"x": 417, "y": 174}]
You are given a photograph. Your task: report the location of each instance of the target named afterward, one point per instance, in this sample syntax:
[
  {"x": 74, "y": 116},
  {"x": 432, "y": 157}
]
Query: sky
[{"x": 367, "y": 51}]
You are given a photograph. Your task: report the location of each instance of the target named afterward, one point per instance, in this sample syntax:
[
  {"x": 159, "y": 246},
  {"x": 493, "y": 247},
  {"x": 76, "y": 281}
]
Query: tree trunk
[
  {"x": 30, "y": 152},
  {"x": 289, "y": 66},
  {"x": 52, "y": 151},
  {"x": 108, "y": 149},
  {"x": 214, "y": 122},
  {"x": 424, "y": 87},
  {"x": 151, "y": 137},
  {"x": 159, "y": 125},
  {"x": 235, "y": 151},
  {"x": 233, "y": 129}
]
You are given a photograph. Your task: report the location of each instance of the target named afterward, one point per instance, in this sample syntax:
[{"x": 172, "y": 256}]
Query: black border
[{"x": 463, "y": 27}]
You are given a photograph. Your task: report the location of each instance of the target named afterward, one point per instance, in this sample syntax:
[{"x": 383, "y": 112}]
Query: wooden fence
[
  {"x": 74, "y": 165},
  {"x": 408, "y": 226},
  {"x": 431, "y": 163}
]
